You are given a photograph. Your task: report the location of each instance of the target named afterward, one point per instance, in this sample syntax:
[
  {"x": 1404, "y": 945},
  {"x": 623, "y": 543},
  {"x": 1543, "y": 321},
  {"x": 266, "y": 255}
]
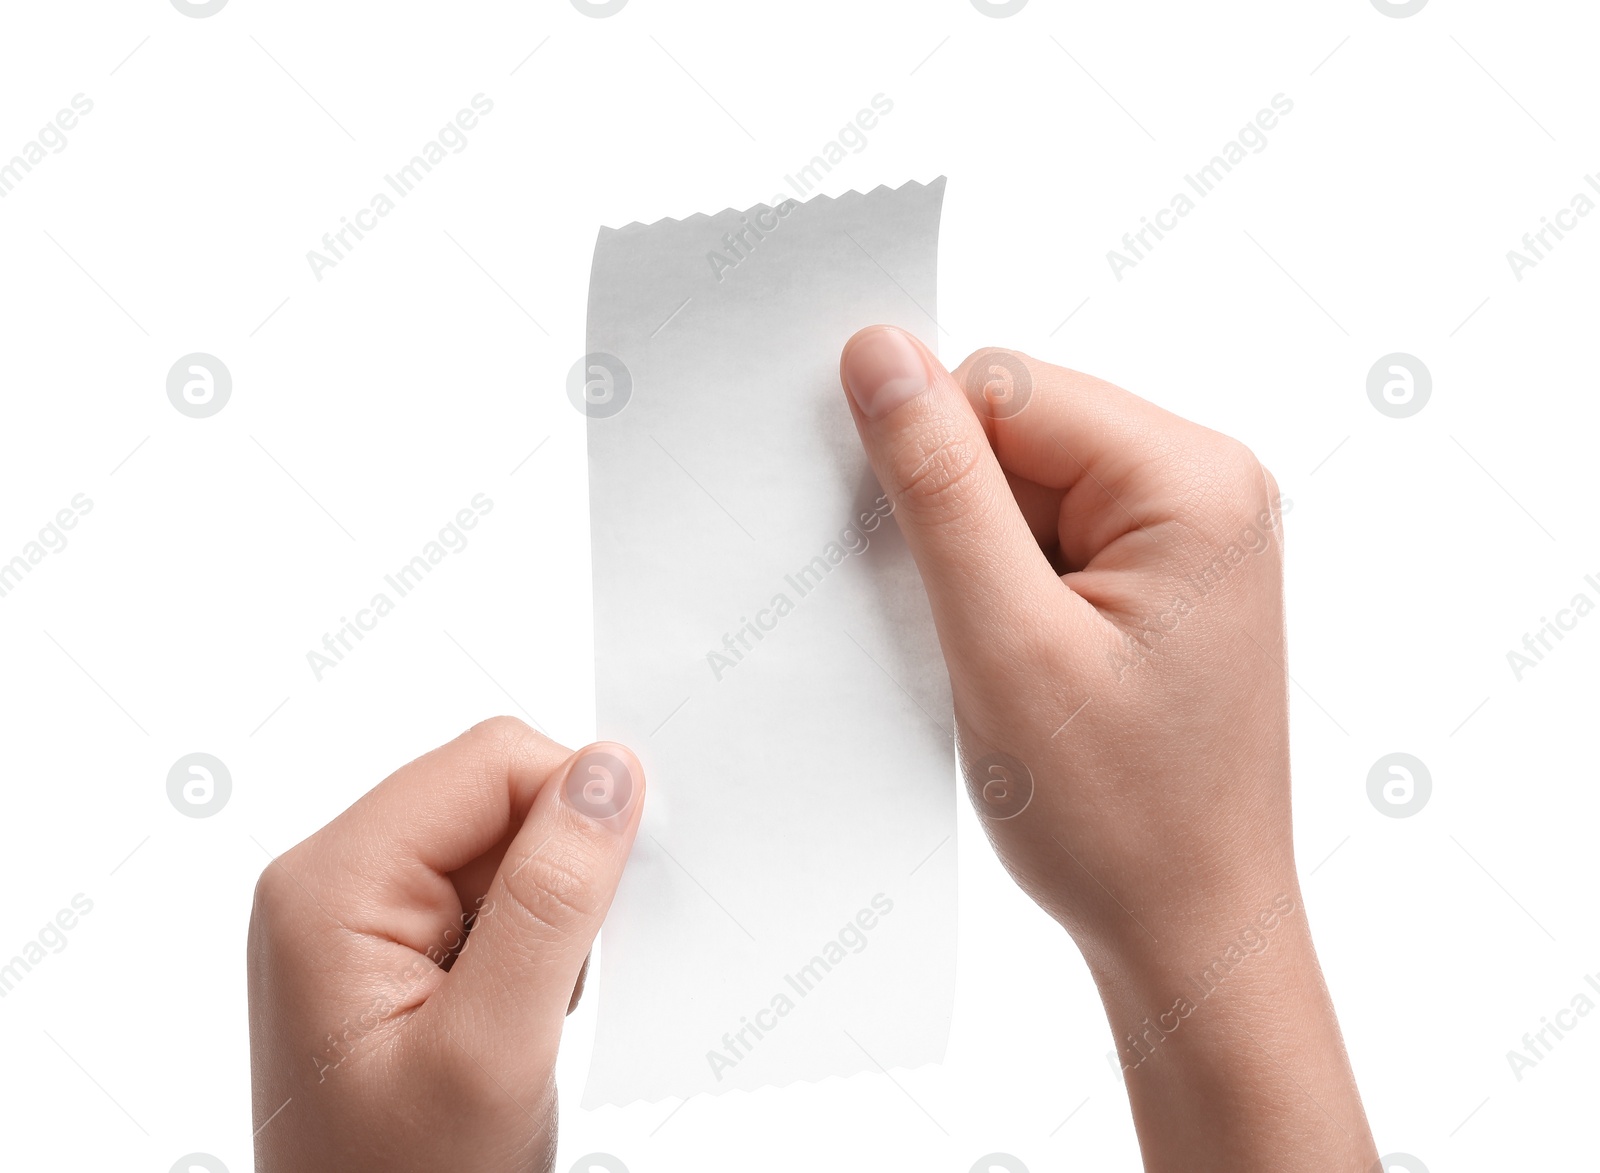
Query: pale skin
[
  {"x": 1106, "y": 581},
  {"x": 371, "y": 1053},
  {"x": 1048, "y": 532}
]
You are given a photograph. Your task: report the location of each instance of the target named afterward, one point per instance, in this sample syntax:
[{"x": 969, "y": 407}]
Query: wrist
[
  {"x": 1202, "y": 945},
  {"x": 1222, "y": 1017}
]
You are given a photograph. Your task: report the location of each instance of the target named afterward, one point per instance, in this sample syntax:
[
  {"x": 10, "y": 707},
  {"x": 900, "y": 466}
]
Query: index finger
[{"x": 385, "y": 863}]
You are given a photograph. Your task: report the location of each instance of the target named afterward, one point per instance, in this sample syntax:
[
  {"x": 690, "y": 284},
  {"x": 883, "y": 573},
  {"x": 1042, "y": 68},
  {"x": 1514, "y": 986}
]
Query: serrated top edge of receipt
[{"x": 847, "y": 197}]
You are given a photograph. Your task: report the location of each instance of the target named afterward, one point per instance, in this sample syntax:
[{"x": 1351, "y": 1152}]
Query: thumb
[
  {"x": 983, "y": 570},
  {"x": 506, "y": 996}
]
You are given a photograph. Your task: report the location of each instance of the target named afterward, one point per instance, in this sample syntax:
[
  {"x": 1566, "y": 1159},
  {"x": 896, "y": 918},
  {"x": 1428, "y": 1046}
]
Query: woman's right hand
[{"x": 1106, "y": 580}]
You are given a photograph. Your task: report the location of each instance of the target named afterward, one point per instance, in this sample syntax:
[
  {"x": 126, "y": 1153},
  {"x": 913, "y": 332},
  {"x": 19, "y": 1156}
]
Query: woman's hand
[
  {"x": 1106, "y": 580},
  {"x": 412, "y": 962}
]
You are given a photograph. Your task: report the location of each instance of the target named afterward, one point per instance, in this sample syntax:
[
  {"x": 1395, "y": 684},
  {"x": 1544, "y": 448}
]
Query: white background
[{"x": 370, "y": 406}]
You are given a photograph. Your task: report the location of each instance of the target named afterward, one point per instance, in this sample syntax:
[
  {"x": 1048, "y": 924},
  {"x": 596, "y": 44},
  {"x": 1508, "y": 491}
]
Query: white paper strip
[{"x": 763, "y": 642}]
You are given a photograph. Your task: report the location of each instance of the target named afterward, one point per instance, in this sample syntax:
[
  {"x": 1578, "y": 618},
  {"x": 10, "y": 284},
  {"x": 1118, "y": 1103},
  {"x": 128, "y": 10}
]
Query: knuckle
[
  {"x": 985, "y": 353},
  {"x": 1236, "y": 461},
  {"x": 277, "y": 890},
  {"x": 501, "y": 730},
  {"x": 280, "y": 902},
  {"x": 509, "y": 739},
  {"x": 1273, "y": 493},
  {"x": 1236, "y": 482},
  {"x": 960, "y": 373},
  {"x": 271, "y": 898}
]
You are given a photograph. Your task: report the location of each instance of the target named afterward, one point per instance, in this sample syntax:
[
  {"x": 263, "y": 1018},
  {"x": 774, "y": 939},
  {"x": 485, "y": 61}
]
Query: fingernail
[
  {"x": 883, "y": 369},
  {"x": 600, "y": 785}
]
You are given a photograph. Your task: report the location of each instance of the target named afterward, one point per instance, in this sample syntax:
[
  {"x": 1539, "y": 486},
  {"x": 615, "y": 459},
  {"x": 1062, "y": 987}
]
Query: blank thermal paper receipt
[{"x": 763, "y": 642}]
